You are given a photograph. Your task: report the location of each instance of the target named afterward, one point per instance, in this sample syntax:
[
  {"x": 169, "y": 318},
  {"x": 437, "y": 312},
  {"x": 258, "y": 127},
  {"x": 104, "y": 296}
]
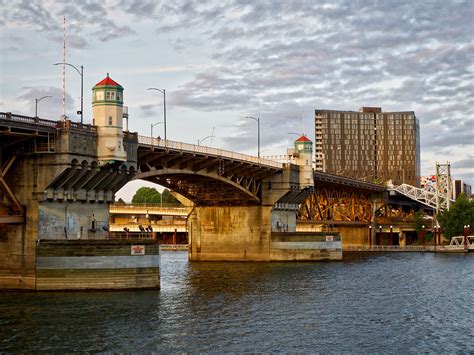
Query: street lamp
[
  {"x": 38, "y": 100},
  {"x": 151, "y": 128},
  {"x": 163, "y": 91},
  {"x": 81, "y": 73},
  {"x": 258, "y": 131},
  {"x": 202, "y": 140},
  {"x": 370, "y": 236}
]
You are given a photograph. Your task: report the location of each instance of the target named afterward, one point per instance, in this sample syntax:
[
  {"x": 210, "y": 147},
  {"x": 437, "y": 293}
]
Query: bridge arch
[{"x": 201, "y": 187}]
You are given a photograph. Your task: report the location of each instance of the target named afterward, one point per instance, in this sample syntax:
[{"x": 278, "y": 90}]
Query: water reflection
[{"x": 399, "y": 302}]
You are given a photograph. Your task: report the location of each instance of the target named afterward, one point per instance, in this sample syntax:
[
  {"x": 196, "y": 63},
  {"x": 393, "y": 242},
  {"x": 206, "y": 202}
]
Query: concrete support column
[{"x": 240, "y": 233}]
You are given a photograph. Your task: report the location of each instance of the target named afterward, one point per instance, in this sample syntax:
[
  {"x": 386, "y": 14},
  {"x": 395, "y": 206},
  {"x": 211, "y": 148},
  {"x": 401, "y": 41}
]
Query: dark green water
[{"x": 396, "y": 303}]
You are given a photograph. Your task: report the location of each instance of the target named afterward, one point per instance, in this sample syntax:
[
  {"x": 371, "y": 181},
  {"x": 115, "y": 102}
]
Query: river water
[{"x": 395, "y": 303}]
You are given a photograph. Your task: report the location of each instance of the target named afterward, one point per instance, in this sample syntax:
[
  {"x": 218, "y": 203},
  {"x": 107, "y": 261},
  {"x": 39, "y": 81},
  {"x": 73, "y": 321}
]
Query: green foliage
[
  {"x": 120, "y": 200},
  {"x": 152, "y": 196},
  {"x": 418, "y": 220},
  {"x": 459, "y": 215}
]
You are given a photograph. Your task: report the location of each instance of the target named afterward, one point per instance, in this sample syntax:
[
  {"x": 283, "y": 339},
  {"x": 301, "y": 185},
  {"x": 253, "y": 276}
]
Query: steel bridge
[{"x": 206, "y": 176}]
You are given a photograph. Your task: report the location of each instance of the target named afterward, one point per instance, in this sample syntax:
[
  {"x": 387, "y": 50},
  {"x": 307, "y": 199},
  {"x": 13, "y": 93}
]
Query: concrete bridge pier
[{"x": 230, "y": 233}]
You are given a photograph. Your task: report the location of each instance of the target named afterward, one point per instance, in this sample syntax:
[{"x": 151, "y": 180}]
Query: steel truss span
[{"x": 330, "y": 204}]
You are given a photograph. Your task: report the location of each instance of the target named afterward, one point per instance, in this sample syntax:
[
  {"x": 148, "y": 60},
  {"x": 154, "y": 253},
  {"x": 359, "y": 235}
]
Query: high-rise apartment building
[{"x": 369, "y": 144}]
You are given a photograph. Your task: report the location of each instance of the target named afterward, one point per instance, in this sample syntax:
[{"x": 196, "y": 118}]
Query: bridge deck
[{"x": 150, "y": 142}]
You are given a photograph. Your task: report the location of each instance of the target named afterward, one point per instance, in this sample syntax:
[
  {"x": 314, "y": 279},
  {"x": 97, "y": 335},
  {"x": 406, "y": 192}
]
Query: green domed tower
[{"x": 107, "y": 107}]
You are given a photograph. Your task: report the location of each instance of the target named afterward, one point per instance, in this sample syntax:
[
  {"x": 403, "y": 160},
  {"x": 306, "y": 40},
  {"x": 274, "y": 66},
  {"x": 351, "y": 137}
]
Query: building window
[
  {"x": 110, "y": 95},
  {"x": 110, "y": 120}
]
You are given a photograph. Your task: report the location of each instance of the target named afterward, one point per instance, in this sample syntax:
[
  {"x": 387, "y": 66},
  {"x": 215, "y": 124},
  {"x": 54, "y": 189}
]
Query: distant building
[
  {"x": 428, "y": 183},
  {"x": 459, "y": 187},
  {"x": 369, "y": 145}
]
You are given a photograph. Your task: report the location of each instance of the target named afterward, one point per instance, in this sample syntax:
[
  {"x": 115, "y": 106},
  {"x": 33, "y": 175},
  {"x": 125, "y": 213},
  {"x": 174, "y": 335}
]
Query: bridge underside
[
  {"x": 203, "y": 190},
  {"x": 337, "y": 199}
]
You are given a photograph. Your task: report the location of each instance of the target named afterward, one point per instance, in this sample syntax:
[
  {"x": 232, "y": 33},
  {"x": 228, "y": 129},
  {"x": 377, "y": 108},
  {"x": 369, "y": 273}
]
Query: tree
[
  {"x": 120, "y": 200},
  {"x": 146, "y": 195},
  {"x": 459, "y": 215},
  {"x": 419, "y": 221},
  {"x": 152, "y": 195}
]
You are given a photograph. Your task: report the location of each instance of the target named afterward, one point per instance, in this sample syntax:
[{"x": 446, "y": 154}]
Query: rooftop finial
[{"x": 107, "y": 75}]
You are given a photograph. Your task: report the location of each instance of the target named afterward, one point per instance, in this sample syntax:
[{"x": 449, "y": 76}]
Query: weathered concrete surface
[
  {"x": 72, "y": 220},
  {"x": 301, "y": 246},
  {"x": 28, "y": 178},
  {"x": 96, "y": 264},
  {"x": 237, "y": 233}
]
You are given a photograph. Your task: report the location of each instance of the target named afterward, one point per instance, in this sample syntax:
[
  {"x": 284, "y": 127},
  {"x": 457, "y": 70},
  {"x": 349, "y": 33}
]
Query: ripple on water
[{"x": 400, "y": 302}]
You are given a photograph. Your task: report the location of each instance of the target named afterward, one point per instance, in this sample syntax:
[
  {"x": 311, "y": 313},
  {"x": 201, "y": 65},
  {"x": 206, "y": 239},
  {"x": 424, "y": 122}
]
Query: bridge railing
[
  {"x": 49, "y": 123},
  {"x": 206, "y": 150}
]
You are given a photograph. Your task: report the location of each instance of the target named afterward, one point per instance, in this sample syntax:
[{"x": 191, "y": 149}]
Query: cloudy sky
[{"x": 220, "y": 61}]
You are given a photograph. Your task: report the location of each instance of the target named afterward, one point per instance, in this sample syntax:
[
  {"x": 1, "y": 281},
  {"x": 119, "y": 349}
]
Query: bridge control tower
[
  {"x": 107, "y": 106},
  {"x": 303, "y": 155}
]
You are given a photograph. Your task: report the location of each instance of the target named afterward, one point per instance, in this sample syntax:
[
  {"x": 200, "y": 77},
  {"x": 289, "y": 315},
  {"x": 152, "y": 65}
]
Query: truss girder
[
  {"x": 8, "y": 201},
  {"x": 336, "y": 204},
  {"x": 422, "y": 196}
]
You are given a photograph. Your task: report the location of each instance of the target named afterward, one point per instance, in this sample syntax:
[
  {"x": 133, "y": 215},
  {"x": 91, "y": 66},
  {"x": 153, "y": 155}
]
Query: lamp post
[
  {"x": 81, "y": 73},
  {"x": 151, "y": 129},
  {"x": 258, "y": 131},
  {"x": 423, "y": 233},
  {"x": 380, "y": 234},
  {"x": 370, "y": 236},
  {"x": 163, "y": 91},
  {"x": 202, "y": 140},
  {"x": 36, "y": 104},
  {"x": 467, "y": 231},
  {"x": 391, "y": 236}
]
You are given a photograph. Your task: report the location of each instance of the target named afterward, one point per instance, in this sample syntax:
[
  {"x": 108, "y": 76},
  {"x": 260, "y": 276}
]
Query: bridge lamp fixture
[
  {"x": 81, "y": 73},
  {"x": 258, "y": 131},
  {"x": 36, "y": 103},
  {"x": 151, "y": 128},
  {"x": 163, "y": 91},
  {"x": 202, "y": 140}
]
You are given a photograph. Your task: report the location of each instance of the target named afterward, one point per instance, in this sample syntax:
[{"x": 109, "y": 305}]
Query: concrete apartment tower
[
  {"x": 303, "y": 153},
  {"x": 107, "y": 107}
]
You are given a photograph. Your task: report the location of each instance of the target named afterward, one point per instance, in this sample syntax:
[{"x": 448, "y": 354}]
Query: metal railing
[
  {"x": 49, "y": 123},
  {"x": 153, "y": 209},
  {"x": 192, "y": 148},
  {"x": 389, "y": 248}
]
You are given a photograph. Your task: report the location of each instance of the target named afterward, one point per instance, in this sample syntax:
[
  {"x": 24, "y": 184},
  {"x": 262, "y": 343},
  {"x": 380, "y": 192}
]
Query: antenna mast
[
  {"x": 64, "y": 71},
  {"x": 302, "y": 118}
]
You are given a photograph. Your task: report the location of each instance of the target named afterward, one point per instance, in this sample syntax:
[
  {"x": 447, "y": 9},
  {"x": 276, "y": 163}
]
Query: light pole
[
  {"x": 163, "y": 91},
  {"x": 151, "y": 128},
  {"x": 258, "y": 131},
  {"x": 81, "y": 73},
  {"x": 38, "y": 100},
  {"x": 202, "y": 140}
]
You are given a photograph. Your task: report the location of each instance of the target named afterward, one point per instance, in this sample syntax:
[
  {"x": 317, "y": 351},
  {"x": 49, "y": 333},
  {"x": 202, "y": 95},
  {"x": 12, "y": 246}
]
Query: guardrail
[
  {"x": 389, "y": 248},
  {"x": 192, "y": 148},
  {"x": 49, "y": 123}
]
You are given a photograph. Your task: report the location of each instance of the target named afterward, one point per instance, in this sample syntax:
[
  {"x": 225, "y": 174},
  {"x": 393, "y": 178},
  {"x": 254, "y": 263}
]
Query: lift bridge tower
[{"x": 443, "y": 184}]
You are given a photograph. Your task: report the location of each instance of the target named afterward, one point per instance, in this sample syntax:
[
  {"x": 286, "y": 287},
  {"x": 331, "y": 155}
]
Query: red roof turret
[
  {"x": 108, "y": 82},
  {"x": 303, "y": 138}
]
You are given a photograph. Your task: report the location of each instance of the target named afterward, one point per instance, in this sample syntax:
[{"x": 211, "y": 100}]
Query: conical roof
[{"x": 108, "y": 82}]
